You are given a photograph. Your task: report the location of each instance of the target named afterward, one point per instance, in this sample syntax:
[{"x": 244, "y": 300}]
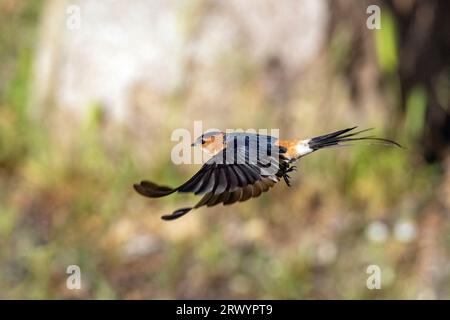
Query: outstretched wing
[{"x": 244, "y": 161}]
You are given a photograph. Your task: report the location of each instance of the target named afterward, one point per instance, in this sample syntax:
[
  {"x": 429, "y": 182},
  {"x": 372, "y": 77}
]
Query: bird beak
[{"x": 193, "y": 144}]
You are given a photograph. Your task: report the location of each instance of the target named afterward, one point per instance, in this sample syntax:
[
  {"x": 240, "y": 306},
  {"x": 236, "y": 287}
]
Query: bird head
[{"x": 210, "y": 142}]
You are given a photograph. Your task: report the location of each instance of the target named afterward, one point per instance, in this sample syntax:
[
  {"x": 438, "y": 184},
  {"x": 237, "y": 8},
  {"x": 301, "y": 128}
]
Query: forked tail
[{"x": 343, "y": 137}]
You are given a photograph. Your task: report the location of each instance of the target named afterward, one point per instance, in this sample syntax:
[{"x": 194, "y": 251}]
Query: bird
[{"x": 244, "y": 165}]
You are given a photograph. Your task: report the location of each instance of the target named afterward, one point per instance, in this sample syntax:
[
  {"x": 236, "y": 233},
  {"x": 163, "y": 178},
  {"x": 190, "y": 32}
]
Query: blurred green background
[{"x": 86, "y": 112}]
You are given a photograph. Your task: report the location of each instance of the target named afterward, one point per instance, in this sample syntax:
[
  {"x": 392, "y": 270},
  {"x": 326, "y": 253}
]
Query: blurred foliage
[
  {"x": 415, "y": 116},
  {"x": 63, "y": 204},
  {"x": 386, "y": 40}
]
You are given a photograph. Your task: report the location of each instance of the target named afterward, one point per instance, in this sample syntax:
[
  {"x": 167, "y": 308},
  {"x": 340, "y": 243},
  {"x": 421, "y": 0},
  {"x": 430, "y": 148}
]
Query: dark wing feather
[
  {"x": 240, "y": 194},
  {"x": 193, "y": 182},
  {"x": 234, "y": 197},
  {"x": 222, "y": 183},
  {"x": 209, "y": 184},
  {"x": 246, "y": 193},
  {"x": 256, "y": 190},
  {"x": 241, "y": 177},
  {"x": 231, "y": 178},
  {"x": 227, "y": 198},
  {"x": 152, "y": 190},
  {"x": 213, "y": 200},
  {"x": 176, "y": 214},
  {"x": 204, "y": 181},
  {"x": 223, "y": 197}
]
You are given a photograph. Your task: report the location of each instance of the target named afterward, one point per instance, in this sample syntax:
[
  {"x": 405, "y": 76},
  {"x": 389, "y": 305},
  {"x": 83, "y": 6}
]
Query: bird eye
[{"x": 203, "y": 141}]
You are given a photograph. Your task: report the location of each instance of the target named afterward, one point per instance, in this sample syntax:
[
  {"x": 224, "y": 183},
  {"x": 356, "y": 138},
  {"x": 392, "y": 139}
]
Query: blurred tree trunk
[
  {"x": 424, "y": 61},
  {"x": 423, "y": 35}
]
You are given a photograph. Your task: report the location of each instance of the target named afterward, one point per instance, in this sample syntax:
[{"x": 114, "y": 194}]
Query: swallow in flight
[{"x": 244, "y": 165}]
